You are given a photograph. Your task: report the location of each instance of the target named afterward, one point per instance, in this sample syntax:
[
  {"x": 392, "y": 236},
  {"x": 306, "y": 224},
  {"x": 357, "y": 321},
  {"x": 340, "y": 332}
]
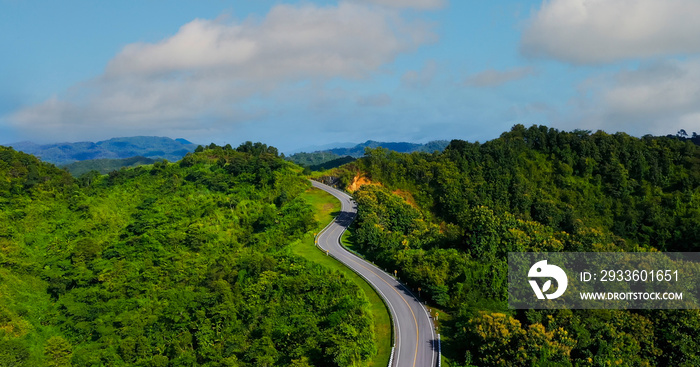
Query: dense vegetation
[
  {"x": 332, "y": 164},
  {"x": 147, "y": 146},
  {"x": 104, "y": 166},
  {"x": 401, "y": 147},
  {"x": 331, "y": 158},
  {"x": 312, "y": 159},
  {"x": 189, "y": 263},
  {"x": 170, "y": 265},
  {"x": 447, "y": 220}
]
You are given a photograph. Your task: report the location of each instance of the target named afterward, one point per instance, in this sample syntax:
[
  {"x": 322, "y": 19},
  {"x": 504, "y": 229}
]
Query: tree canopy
[
  {"x": 447, "y": 221},
  {"x": 169, "y": 265}
]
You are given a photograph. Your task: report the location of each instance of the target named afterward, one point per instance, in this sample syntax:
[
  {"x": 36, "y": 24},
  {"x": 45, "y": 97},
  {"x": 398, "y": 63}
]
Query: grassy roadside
[
  {"x": 327, "y": 207},
  {"x": 347, "y": 242},
  {"x": 445, "y": 324}
]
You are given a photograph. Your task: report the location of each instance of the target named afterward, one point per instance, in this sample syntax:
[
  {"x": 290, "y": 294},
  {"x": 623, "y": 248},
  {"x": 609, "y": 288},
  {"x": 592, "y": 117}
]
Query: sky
[{"x": 298, "y": 74}]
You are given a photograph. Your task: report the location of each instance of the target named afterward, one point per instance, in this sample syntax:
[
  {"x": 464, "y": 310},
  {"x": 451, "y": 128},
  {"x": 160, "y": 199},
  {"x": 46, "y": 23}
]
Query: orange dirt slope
[{"x": 358, "y": 181}]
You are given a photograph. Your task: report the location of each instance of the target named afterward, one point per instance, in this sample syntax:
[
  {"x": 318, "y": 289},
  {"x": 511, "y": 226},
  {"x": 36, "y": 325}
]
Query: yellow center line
[{"x": 415, "y": 356}]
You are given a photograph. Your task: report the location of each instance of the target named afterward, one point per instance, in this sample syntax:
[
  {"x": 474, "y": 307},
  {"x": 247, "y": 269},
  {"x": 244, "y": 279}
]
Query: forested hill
[
  {"x": 23, "y": 173},
  {"x": 401, "y": 147},
  {"x": 171, "y": 264},
  {"x": 642, "y": 190},
  {"x": 104, "y": 166},
  {"x": 335, "y": 157},
  {"x": 447, "y": 220},
  {"x": 117, "y": 148}
]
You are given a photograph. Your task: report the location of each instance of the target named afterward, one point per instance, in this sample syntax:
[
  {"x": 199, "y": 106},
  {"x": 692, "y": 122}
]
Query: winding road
[{"x": 415, "y": 341}]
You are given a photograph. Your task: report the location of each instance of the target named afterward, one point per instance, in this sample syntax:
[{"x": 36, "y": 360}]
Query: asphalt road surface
[{"x": 415, "y": 341}]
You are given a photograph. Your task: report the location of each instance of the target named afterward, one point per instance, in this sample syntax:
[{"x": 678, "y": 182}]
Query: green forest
[
  {"x": 447, "y": 220},
  {"x": 105, "y": 165},
  {"x": 331, "y": 158},
  {"x": 192, "y": 263},
  {"x": 172, "y": 264}
]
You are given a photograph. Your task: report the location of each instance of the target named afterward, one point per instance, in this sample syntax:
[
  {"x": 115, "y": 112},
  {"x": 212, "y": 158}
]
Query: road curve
[{"x": 415, "y": 341}]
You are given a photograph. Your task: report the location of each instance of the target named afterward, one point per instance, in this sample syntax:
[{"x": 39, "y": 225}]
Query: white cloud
[
  {"x": 659, "y": 98},
  {"x": 209, "y": 69},
  {"x": 494, "y": 78},
  {"x": 415, "y": 4},
  {"x": 291, "y": 42},
  {"x": 603, "y": 31}
]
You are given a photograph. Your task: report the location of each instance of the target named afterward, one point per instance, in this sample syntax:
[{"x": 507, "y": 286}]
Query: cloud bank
[
  {"x": 207, "y": 72},
  {"x": 605, "y": 31},
  {"x": 659, "y": 98}
]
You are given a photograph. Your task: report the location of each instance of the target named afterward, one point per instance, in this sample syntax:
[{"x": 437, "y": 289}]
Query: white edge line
[
  {"x": 432, "y": 327},
  {"x": 386, "y": 300},
  {"x": 336, "y": 194}
]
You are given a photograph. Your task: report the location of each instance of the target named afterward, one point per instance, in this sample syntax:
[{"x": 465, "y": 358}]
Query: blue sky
[{"x": 298, "y": 74}]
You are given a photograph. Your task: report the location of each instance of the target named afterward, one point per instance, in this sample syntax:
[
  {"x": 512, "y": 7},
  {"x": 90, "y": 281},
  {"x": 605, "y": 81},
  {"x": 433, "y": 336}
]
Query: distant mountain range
[
  {"x": 105, "y": 165},
  {"x": 320, "y": 147},
  {"x": 108, "y": 155},
  {"x": 359, "y": 150},
  {"x": 117, "y": 148},
  {"x": 325, "y": 159}
]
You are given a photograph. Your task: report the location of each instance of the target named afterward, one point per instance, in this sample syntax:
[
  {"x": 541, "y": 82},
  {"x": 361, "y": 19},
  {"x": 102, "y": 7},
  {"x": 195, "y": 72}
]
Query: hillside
[
  {"x": 447, "y": 220},
  {"x": 190, "y": 263},
  {"x": 312, "y": 159},
  {"x": 318, "y": 160},
  {"x": 105, "y": 165},
  {"x": 359, "y": 150},
  {"x": 174, "y": 264},
  {"x": 117, "y": 148}
]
